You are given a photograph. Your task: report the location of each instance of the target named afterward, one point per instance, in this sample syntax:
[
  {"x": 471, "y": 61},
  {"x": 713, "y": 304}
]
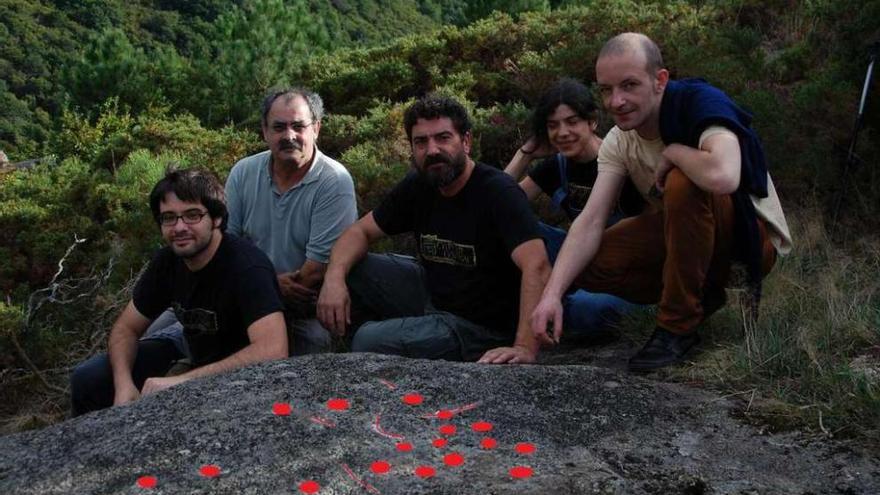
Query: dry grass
[{"x": 812, "y": 361}]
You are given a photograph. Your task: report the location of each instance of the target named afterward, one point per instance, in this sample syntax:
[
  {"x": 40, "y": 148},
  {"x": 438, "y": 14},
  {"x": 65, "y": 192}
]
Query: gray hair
[{"x": 313, "y": 100}]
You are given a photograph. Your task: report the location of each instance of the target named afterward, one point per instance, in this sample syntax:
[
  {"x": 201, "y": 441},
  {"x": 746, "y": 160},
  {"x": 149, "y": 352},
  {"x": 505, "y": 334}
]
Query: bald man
[{"x": 692, "y": 154}]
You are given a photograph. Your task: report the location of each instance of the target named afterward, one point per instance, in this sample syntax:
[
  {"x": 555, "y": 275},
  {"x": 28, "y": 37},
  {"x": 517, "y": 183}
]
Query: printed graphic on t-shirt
[
  {"x": 578, "y": 195},
  {"x": 445, "y": 251},
  {"x": 196, "y": 322},
  {"x": 200, "y": 330}
]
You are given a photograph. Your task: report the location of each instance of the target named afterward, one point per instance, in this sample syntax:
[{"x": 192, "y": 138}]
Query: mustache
[
  {"x": 438, "y": 158},
  {"x": 288, "y": 145}
]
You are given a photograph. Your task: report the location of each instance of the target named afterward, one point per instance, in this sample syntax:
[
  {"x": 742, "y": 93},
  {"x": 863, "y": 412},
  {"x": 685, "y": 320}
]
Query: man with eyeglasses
[
  {"x": 293, "y": 202},
  {"x": 222, "y": 290}
]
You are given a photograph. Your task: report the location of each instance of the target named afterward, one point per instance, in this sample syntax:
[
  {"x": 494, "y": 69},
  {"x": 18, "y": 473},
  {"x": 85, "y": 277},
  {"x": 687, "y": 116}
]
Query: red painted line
[
  {"x": 457, "y": 410},
  {"x": 322, "y": 421},
  {"x": 378, "y": 429},
  {"x": 388, "y": 384},
  {"x": 366, "y": 486}
]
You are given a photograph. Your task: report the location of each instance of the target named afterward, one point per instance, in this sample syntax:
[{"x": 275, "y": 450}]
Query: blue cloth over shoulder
[{"x": 689, "y": 107}]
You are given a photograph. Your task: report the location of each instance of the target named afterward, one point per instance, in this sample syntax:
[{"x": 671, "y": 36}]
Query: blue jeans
[
  {"x": 584, "y": 314},
  {"x": 91, "y": 383},
  {"x": 392, "y": 314}
]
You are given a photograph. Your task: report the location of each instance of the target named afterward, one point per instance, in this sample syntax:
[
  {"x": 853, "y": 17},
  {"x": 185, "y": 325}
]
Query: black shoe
[{"x": 663, "y": 349}]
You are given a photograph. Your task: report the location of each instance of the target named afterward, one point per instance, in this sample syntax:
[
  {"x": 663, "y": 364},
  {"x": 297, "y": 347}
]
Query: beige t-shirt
[{"x": 625, "y": 153}]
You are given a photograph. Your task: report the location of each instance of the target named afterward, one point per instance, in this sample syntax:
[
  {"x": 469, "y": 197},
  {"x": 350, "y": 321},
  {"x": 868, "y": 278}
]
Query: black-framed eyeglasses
[{"x": 189, "y": 217}]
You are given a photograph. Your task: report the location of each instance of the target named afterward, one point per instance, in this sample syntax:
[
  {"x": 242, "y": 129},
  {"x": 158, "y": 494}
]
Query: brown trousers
[{"x": 674, "y": 258}]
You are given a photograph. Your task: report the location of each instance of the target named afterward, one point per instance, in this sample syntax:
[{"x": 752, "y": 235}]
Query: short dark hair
[
  {"x": 192, "y": 185},
  {"x": 434, "y": 106},
  {"x": 566, "y": 91},
  {"x": 626, "y": 42},
  {"x": 313, "y": 100}
]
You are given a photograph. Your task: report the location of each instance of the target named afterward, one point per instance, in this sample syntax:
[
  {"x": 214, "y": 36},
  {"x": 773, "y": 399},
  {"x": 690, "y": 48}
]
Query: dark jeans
[
  {"x": 392, "y": 314},
  {"x": 91, "y": 383},
  {"x": 584, "y": 314}
]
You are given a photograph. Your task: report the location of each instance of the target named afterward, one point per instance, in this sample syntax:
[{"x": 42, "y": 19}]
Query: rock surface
[{"x": 559, "y": 429}]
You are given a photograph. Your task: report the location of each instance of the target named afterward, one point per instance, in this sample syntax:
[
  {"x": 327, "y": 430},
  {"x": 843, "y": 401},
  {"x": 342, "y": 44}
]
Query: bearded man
[{"x": 481, "y": 262}]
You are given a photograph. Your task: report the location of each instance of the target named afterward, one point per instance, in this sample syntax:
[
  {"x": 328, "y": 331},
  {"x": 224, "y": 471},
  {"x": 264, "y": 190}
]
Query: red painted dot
[
  {"x": 210, "y": 471},
  {"x": 337, "y": 404},
  {"x": 445, "y": 414},
  {"x": 147, "y": 481},
  {"x": 447, "y": 430},
  {"x": 453, "y": 459},
  {"x": 404, "y": 447},
  {"x": 425, "y": 472},
  {"x": 309, "y": 486},
  {"x": 380, "y": 467},
  {"x": 281, "y": 409},
  {"x": 482, "y": 426},
  {"x": 524, "y": 448},
  {"x": 488, "y": 443},
  {"x": 439, "y": 442},
  {"x": 521, "y": 472},
  {"x": 413, "y": 399}
]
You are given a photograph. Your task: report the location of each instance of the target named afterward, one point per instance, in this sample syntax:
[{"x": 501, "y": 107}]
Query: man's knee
[
  {"x": 373, "y": 336},
  {"x": 90, "y": 382},
  {"x": 680, "y": 191},
  {"x": 307, "y": 337}
]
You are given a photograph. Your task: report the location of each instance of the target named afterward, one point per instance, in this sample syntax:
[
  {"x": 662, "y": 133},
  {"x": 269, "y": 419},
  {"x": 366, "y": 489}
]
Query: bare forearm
[
  {"x": 311, "y": 274},
  {"x": 715, "y": 172},
  {"x": 518, "y": 164},
  {"x": 122, "y": 348},
  {"x": 350, "y": 248},
  {"x": 251, "y": 354},
  {"x": 531, "y": 288},
  {"x": 580, "y": 246}
]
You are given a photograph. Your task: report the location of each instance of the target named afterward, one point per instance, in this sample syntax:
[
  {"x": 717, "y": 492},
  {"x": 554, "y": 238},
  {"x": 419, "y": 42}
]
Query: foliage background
[{"x": 109, "y": 92}]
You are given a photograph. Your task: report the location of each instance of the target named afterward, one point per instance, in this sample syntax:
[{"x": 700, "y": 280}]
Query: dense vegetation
[{"x": 113, "y": 91}]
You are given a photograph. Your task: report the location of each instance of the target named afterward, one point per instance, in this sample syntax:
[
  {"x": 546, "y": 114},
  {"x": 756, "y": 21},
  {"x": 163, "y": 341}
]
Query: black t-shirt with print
[
  {"x": 216, "y": 304},
  {"x": 465, "y": 242},
  {"x": 581, "y": 178}
]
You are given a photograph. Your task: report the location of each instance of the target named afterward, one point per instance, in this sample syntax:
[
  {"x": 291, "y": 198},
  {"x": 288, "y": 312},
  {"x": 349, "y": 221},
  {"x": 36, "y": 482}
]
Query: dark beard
[{"x": 453, "y": 168}]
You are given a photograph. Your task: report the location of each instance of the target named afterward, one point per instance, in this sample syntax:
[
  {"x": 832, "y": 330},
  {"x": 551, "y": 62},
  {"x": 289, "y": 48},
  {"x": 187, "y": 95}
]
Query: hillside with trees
[{"x": 111, "y": 92}]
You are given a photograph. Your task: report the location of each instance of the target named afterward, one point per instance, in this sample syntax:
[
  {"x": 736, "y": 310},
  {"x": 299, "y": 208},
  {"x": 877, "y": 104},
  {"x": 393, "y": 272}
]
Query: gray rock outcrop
[{"x": 556, "y": 429}]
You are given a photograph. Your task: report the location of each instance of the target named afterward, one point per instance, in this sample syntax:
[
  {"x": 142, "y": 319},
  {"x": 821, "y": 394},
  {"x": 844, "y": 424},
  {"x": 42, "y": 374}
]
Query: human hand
[
  {"x": 125, "y": 393},
  {"x": 663, "y": 168},
  {"x": 334, "y": 307},
  {"x": 533, "y": 149},
  {"x": 510, "y": 355},
  {"x": 547, "y": 320},
  {"x": 155, "y": 384},
  {"x": 293, "y": 291}
]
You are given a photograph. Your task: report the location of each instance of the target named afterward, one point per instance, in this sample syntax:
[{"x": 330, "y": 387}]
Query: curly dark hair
[{"x": 434, "y": 106}]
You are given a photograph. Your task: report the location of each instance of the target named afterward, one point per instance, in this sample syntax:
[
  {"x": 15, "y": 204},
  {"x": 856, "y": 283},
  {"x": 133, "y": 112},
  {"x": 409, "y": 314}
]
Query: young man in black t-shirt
[
  {"x": 222, "y": 290},
  {"x": 481, "y": 260},
  {"x": 564, "y": 125}
]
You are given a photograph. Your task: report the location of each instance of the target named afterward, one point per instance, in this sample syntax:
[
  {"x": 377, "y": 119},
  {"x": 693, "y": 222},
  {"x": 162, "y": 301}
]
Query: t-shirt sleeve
[
  {"x": 611, "y": 157},
  {"x": 234, "y": 203},
  {"x": 510, "y": 211},
  {"x": 712, "y": 131},
  {"x": 546, "y": 175},
  {"x": 394, "y": 215},
  {"x": 152, "y": 292},
  {"x": 257, "y": 293},
  {"x": 335, "y": 209}
]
